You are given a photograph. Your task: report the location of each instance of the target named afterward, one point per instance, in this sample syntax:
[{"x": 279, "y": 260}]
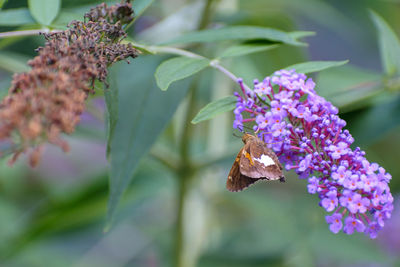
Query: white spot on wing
[{"x": 265, "y": 160}]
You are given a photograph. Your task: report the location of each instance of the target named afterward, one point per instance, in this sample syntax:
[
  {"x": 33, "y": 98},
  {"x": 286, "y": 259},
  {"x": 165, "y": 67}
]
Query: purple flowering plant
[
  {"x": 47, "y": 101},
  {"x": 308, "y": 136}
]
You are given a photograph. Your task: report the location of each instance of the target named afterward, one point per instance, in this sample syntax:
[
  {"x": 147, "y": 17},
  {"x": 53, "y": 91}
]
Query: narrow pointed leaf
[
  {"x": 44, "y": 11},
  {"x": 143, "y": 111},
  {"x": 178, "y": 68},
  {"x": 214, "y": 108},
  {"x": 245, "y": 49},
  {"x": 241, "y": 33},
  {"x": 389, "y": 45},
  {"x": 111, "y": 97},
  {"x": 301, "y": 34},
  {"x": 315, "y": 66}
]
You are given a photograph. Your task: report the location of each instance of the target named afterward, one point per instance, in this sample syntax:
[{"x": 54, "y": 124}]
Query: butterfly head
[{"x": 247, "y": 137}]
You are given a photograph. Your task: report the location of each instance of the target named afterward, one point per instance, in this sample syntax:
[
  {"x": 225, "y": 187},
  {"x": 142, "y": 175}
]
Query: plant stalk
[
  {"x": 26, "y": 33},
  {"x": 185, "y": 173},
  {"x": 187, "y": 170}
]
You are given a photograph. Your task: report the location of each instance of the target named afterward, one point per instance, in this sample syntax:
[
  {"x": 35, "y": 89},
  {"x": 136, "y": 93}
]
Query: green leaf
[
  {"x": 245, "y": 49},
  {"x": 214, "y": 108},
  {"x": 301, "y": 34},
  {"x": 111, "y": 97},
  {"x": 15, "y": 17},
  {"x": 44, "y": 11},
  {"x": 379, "y": 120},
  {"x": 389, "y": 45},
  {"x": 241, "y": 33},
  {"x": 143, "y": 111},
  {"x": 66, "y": 16},
  {"x": 2, "y": 2},
  {"x": 13, "y": 62},
  {"x": 139, "y": 6},
  {"x": 315, "y": 66},
  {"x": 178, "y": 68},
  {"x": 349, "y": 87}
]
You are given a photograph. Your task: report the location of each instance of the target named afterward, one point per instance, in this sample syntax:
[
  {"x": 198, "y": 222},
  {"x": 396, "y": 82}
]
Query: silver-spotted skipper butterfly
[{"x": 255, "y": 161}]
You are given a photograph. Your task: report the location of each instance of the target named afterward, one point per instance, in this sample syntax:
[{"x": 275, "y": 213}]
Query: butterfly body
[{"x": 255, "y": 161}]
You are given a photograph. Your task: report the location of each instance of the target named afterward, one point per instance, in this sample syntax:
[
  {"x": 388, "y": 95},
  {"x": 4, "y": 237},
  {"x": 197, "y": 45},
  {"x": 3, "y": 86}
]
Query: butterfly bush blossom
[{"x": 307, "y": 135}]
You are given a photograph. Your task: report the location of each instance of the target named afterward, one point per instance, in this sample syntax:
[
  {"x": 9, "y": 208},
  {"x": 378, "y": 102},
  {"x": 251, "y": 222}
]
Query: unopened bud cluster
[{"x": 49, "y": 99}]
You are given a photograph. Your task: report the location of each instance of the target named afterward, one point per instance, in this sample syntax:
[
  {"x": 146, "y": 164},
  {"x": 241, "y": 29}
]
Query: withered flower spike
[{"x": 48, "y": 100}]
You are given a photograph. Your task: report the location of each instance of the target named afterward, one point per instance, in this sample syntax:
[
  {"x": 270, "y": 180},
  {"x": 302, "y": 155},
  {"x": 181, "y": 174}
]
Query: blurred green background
[{"x": 54, "y": 215}]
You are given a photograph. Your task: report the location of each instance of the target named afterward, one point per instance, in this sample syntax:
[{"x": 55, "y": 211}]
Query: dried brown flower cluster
[{"x": 49, "y": 99}]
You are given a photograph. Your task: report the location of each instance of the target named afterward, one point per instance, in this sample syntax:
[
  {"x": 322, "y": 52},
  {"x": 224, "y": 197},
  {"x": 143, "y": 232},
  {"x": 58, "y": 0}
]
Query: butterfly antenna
[
  {"x": 235, "y": 135},
  {"x": 264, "y": 133},
  {"x": 263, "y": 137},
  {"x": 248, "y": 128},
  {"x": 240, "y": 128},
  {"x": 273, "y": 143}
]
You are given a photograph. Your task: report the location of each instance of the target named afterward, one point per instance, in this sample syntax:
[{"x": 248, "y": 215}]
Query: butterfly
[{"x": 255, "y": 161}]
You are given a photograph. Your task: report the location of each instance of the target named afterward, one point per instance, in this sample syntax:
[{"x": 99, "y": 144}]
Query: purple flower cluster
[{"x": 307, "y": 135}]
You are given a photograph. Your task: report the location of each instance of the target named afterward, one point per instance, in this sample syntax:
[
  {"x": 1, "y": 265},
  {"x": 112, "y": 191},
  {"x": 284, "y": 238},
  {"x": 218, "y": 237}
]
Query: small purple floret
[
  {"x": 335, "y": 222},
  {"x": 351, "y": 224}
]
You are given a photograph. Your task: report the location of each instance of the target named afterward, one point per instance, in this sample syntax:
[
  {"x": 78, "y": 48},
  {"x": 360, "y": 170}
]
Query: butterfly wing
[
  {"x": 237, "y": 181},
  {"x": 260, "y": 162}
]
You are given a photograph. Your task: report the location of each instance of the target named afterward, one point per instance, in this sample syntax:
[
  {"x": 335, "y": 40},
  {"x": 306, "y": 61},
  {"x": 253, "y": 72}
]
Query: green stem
[
  {"x": 185, "y": 173},
  {"x": 26, "y": 33},
  {"x": 207, "y": 13},
  {"x": 152, "y": 49},
  {"x": 186, "y": 170},
  {"x": 180, "y": 224}
]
